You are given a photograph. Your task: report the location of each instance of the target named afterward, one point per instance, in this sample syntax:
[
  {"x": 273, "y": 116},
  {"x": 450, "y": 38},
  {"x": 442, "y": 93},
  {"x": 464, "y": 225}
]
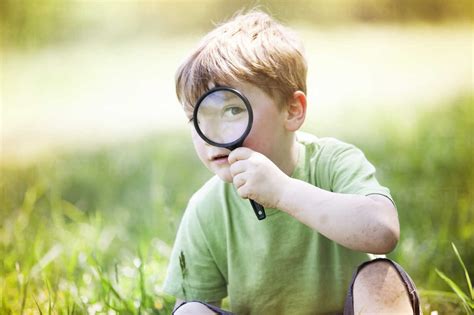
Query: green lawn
[{"x": 92, "y": 231}]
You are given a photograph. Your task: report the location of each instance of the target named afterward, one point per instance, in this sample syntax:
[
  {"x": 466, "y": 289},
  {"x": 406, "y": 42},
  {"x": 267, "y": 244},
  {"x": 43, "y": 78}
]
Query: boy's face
[{"x": 265, "y": 137}]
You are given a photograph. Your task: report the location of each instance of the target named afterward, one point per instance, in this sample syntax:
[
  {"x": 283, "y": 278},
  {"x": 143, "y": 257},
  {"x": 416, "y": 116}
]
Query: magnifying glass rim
[{"x": 240, "y": 140}]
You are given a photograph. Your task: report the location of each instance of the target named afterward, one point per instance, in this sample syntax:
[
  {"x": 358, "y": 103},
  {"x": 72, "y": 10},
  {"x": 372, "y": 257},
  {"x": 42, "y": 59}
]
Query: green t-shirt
[{"x": 277, "y": 265}]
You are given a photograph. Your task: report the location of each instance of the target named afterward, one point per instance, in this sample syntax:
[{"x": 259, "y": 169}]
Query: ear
[{"x": 295, "y": 111}]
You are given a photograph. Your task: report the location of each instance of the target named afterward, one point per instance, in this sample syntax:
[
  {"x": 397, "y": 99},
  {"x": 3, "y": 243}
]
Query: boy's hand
[{"x": 256, "y": 177}]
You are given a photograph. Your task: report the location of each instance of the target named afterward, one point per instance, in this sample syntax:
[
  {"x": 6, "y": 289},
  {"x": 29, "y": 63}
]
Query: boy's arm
[{"x": 363, "y": 223}]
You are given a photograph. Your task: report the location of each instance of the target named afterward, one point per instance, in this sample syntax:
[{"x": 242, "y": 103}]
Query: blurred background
[{"x": 97, "y": 165}]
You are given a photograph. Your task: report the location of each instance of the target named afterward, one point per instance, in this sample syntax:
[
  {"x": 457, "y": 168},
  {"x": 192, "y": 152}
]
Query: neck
[{"x": 288, "y": 161}]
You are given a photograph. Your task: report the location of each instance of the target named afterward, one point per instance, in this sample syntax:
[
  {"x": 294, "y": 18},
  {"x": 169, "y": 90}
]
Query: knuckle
[
  {"x": 238, "y": 181},
  {"x": 251, "y": 195},
  {"x": 242, "y": 191}
]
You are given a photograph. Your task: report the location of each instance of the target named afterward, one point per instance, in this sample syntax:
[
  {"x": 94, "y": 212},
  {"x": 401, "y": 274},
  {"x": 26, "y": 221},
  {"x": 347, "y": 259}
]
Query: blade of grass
[
  {"x": 112, "y": 289},
  {"x": 141, "y": 274},
  {"x": 73, "y": 309},
  {"x": 50, "y": 306},
  {"x": 72, "y": 212},
  {"x": 23, "y": 302},
  {"x": 52, "y": 254},
  {"x": 464, "y": 298},
  {"x": 68, "y": 303},
  {"x": 105, "y": 282},
  {"x": 37, "y": 305},
  {"x": 468, "y": 279},
  {"x": 118, "y": 310},
  {"x": 3, "y": 307},
  {"x": 437, "y": 293},
  {"x": 116, "y": 273}
]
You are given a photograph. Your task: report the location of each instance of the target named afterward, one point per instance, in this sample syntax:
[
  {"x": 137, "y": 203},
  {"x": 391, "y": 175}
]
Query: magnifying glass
[{"x": 223, "y": 118}]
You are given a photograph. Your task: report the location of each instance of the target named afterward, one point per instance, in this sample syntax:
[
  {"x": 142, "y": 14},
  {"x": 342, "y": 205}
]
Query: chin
[{"x": 226, "y": 177}]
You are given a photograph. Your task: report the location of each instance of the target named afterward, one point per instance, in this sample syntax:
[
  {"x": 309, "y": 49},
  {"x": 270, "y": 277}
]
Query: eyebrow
[
  {"x": 230, "y": 96},
  {"x": 223, "y": 98},
  {"x": 226, "y": 97}
]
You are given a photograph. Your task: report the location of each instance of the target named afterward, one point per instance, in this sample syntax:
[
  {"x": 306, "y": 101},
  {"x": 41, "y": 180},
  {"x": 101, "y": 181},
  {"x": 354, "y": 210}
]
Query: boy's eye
[{"x": 233, "y": 111}]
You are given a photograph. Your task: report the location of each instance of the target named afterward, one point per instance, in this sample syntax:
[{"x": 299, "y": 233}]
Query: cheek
[
  {"x": 258, "y": 140},
  {"x": 198, "y": 145},
  {"x": 265, "y": 136}
]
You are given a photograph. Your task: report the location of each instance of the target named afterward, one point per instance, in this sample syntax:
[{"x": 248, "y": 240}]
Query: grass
[
  {"x": 467, "y": 299},
  {"x": 91, "y": 232}
]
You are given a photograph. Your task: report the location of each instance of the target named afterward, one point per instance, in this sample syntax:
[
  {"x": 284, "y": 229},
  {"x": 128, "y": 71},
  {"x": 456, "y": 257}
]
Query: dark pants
[{"x": 349, "y": 303}]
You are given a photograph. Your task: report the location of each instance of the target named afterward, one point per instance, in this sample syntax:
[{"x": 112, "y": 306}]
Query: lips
[{"x": 219, "y": 157}]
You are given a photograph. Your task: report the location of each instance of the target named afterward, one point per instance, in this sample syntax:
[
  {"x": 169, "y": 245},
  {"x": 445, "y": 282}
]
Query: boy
[{"x": 325, "y": 208}]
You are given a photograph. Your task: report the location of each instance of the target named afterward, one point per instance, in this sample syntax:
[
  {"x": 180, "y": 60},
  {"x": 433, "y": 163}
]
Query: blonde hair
[{"x": 252, "y": 48}]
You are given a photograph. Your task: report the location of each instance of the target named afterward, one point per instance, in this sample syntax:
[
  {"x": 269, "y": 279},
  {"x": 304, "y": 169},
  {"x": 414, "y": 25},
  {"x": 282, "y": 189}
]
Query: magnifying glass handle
[{"x": 259, "y": 210}]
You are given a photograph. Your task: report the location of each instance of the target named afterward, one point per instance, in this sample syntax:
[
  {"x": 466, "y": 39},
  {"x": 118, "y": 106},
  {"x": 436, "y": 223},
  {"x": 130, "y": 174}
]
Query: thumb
[{"x": 241, "y": 153}]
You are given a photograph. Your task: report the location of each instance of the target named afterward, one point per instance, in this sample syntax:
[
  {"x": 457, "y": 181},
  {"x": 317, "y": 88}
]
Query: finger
[
  {"x": 239, "y": 180},
  {"x": 243, "y": 191},
  {"x": 237, "y": 167},
  {"x": 246, "y": 192},
  {"x": 239, "y": 154}
]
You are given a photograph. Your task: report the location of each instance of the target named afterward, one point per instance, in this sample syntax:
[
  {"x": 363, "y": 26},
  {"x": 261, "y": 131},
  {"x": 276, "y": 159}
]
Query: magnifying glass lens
[{"x": 223, "y": 117}]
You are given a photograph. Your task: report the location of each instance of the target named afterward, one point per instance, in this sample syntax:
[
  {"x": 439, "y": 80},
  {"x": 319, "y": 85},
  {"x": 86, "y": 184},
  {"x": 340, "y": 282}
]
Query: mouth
[{"x": 220, "y": 158}]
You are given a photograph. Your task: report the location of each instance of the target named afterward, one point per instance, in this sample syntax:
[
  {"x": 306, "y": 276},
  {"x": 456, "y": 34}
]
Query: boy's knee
[
  {"x": 193, "y": 308},
  {"x": 378, "y": 289}
]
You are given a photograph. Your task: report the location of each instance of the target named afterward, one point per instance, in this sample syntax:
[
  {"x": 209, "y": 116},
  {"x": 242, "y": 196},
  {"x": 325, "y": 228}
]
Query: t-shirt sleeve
[
  {"x": 352, "y": 173},
  {"x": 192, "y": 271}
]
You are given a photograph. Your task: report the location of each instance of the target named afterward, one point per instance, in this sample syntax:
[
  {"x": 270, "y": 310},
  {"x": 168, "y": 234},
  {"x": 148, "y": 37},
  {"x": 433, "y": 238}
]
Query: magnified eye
[{"x": 232, "y": 111}]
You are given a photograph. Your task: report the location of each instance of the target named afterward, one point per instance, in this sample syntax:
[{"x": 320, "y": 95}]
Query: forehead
[
  {"x": 219, "y": 96},
  {"x": 243, "y": 87},
  {"x": 255, "y": 95}
]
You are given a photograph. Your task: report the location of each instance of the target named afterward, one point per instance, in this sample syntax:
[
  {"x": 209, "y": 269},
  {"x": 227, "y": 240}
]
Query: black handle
[{"x": 258, "y": 209}]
